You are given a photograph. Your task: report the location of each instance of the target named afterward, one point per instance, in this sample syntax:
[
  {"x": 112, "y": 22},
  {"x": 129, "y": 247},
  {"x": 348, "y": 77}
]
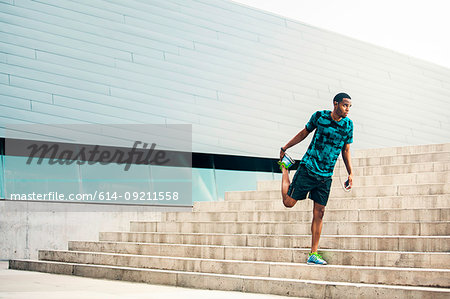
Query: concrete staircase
[{"x": 389, "y": 237}]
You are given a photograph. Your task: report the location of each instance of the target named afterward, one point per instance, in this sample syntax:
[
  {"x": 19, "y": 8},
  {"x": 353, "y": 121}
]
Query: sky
[{"x": 418, "y": 28}]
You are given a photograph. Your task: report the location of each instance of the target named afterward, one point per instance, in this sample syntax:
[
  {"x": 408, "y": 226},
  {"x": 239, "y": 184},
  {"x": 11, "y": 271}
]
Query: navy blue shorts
[{"x": 304, "y": 181}]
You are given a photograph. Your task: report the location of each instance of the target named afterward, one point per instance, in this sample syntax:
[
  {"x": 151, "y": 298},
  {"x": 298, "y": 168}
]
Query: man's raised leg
[{"x": 288, "y": 201}]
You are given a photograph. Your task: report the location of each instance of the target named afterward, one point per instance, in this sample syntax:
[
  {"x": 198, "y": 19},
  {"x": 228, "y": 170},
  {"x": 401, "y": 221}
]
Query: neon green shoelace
[{"x": 317, "y": 255}]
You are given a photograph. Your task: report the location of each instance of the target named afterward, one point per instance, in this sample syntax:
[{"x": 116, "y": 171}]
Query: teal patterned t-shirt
[{"x": 327, "y": 142}]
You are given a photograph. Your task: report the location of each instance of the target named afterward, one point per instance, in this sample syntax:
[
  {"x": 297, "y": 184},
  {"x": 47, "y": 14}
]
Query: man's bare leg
[
  {"x": 288, "y": 201},
  {"x": 316, "y": 225}
]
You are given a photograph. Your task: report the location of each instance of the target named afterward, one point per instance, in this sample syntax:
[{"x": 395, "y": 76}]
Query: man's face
[{"x": 343, "y": 108}]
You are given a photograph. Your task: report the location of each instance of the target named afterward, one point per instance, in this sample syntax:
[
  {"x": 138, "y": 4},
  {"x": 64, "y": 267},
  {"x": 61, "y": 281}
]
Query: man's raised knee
[{"x": 289, "y": 202}]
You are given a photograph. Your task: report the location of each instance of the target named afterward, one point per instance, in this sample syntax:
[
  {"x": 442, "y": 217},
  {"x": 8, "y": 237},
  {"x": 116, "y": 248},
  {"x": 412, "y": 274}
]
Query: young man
[{"x": 334, "y": 133}]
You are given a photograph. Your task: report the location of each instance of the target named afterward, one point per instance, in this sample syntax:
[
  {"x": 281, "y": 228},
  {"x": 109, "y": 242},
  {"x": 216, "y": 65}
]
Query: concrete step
[
  {"x": 440, "y": 228},
  {"x": 402, "y": 159},
  {"x": 343, "y": 242},
  {"x": 441, "y": 214},
  {"x": 266, "y": 204},
  {"x": 357, "y": 191},
  {"x": 391, "y": 190},
  {"x": 402, "y": 150},
  {"x": 293, "y": 270},
  {"x": 271, "y": 254},
  {"x": 389, "y": 169},
  {"x": 253, "y": 284},
  {"x": 380, "y": 180},
  {"x": 340, "y": 170}
]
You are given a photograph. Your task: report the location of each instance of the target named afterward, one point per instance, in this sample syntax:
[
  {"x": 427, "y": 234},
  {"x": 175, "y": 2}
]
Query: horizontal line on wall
[{"x": 199, "y": 160}]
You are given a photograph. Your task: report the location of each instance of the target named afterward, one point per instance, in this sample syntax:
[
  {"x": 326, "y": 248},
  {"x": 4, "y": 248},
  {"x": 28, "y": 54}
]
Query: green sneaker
[
  {"x": 316, "y": 259},
  {"x": 286, "y": 162}
]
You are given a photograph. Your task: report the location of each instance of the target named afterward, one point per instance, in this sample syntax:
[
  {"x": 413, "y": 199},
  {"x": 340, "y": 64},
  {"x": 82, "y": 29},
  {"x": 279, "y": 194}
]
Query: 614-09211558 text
[{"x": 99, "y": 196}]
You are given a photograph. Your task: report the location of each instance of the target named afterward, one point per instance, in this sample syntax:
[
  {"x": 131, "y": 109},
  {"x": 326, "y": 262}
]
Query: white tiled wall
[{"x": 247, "y": 80}]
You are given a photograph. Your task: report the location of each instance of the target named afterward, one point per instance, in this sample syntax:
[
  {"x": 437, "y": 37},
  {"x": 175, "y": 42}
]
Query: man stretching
[{"x": 334, "y": 133}]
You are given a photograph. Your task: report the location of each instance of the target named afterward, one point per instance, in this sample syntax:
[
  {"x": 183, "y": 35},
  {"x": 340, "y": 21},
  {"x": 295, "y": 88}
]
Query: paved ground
[{"x": 29, "y": 285}]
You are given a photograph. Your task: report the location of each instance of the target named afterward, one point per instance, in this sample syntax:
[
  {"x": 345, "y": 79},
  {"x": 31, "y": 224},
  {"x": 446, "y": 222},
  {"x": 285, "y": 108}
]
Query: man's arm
[
  {"x": 348, "y": 162},
  {"x": 297, "y": 138}
]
